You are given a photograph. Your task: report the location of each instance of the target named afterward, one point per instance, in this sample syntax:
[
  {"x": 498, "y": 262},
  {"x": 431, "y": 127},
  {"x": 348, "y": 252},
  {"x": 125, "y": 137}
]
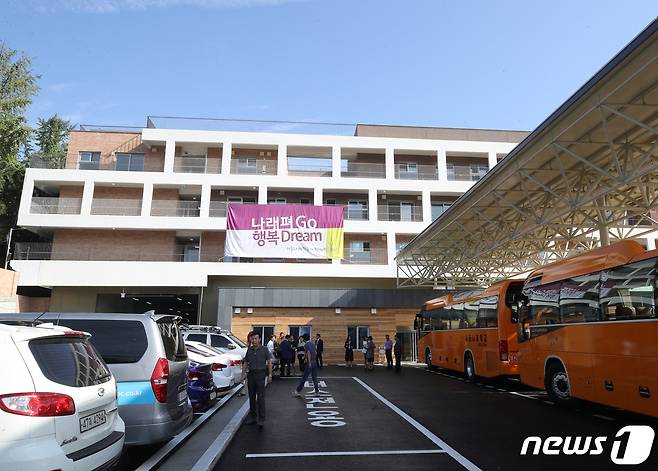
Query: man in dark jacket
[
  {"x": 397, "y": 352},
  {"x": 319, "y": 348},
  {"x": 286, "y": 355}
]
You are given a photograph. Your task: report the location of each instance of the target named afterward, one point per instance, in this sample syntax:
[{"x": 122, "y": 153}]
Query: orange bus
[
  {"x": 472, "y": 332},
  {"x": 588, "y": 328}
]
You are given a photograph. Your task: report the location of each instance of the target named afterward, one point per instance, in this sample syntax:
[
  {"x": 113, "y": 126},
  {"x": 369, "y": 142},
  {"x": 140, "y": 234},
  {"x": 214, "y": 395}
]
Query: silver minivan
[{"x": 146, "y": 354}]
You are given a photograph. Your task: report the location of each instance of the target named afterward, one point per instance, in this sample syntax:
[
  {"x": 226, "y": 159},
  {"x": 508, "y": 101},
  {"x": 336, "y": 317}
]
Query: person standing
[
  {"x": 243, "y": 377},
  {"x": 349, "y": 352},
  {"x": 311, "y": 367},
  {"x": 259, "y": 363},
  {"x": 365, "y": 352},
  {"x": 293, "y": 345},
  {"x": 370, "y": 354},
  {"x": 286, "y": 354},
  {"x": 271, "y": 345},
  {"x": 300, "y": 353},
  {"x": 388, "y": 350},
  {"x": 397, "y": 351},
  {"x": 319, "y": 348}
]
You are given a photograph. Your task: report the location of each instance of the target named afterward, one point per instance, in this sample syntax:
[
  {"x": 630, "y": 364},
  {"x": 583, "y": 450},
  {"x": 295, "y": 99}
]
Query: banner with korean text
[{"x": 284, "y": 231}]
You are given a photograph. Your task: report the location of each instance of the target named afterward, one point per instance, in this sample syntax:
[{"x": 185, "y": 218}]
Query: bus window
[
  {"x": 488, "y": 312},
  {"x": 435, "y": 319},
  {"x": 471, "y": 314},
  {"x": 544, "y": 304},
  {"x": 579, "y": 299},
  {"x": 467, "y": 316},
  {"x": 451, "y": 318},
  {"x": 628, "y": 292}
]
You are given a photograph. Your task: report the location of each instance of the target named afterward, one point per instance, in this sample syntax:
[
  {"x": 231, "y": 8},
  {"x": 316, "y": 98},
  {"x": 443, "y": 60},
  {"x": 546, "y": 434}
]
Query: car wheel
[
  {"x": 557, "y": 384},
  {"x": 469, "y": 366},
  {"x": 428, "y": 359}
]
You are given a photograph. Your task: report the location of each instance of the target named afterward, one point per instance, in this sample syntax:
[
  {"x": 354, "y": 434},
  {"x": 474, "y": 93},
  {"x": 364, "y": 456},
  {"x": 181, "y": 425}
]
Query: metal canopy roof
[{"x": 585, "y": 176}]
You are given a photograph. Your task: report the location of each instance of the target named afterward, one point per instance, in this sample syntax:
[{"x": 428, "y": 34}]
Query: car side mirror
[{"x": 231, "y": 346}]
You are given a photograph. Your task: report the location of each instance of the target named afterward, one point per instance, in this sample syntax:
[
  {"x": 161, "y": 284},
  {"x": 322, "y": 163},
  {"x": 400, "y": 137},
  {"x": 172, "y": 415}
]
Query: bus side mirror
[{"x": 515, "y": 315}]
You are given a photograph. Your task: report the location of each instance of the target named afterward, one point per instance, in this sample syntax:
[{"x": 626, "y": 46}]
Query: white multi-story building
[{"x": 136, "y": 220}]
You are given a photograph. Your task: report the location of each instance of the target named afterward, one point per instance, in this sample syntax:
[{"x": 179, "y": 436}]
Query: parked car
[
  {"x": 222, "y": 375},
  {"x": 234, "y": 359},
  {"x": 215, "y": 337},
  {"x": 147, "y": 356},
  {"x": 200, "y": 386},
  {"x": 58, "y": 407}
]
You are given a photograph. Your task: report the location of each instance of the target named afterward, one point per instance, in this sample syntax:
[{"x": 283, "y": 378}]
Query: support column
[
  {"x": 441, "y": 165},
  {"x": 317, "y": 196},
  {"x": 205, "y": 201},
  {"x": 390, "y": 163},
  {"x": 427, "y": 207},
  {"x": 493, "y": 159},
  {"x": 372, "y": 204},
  {"x": 227, "y": 150},
  {"x": 282, "y": 160},
  {"x": 335, "y": 161},
  {"x": 390, "y": 247},
  {"x": 147, "y": 198},
  {"x": 26, "y": 196},
  {"x": 170, "y": 152},
  {"x": 262, "y": 194},
  {"x": 604, "y": 235},
  {"x": 87, "y": 198}
]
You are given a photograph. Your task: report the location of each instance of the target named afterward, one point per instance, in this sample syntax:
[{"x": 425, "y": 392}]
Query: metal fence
[
  {"x": 363, "y": 170},
  {"x": 116, "y": 207},
  {"x": 399, "y": 213},
  {"x": 197, "y": 164},
  {"x": 416, "y": 172},
  {"x": 174, "y": 208},
  {"x": 55, "y": 205}
]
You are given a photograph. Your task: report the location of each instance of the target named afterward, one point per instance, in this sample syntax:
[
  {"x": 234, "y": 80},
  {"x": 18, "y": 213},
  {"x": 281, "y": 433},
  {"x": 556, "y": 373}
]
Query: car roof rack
[{"x": 203, "y": 328}]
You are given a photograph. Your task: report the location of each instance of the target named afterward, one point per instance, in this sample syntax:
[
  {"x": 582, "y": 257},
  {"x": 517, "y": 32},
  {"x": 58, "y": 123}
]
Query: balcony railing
[
  {"x": 355, "y": 214},
  {"x": 116, "y": 207},
  {"x": 416, "y": 172},
  {"x": 174, "y": 208},
  {"x": 49, "y": 205},
  {"x": 259, "y": 167},
  {"x": 363, "y": 170},
  {"x": 468, "y": 173},
  {"x": 217, "y": 209},
  {"x": 399, "y": 213},
  {"x": 46, "y": 251},
  {"x": 309, "y": 167},
  {"x": 197, "y": 164},
  {"x": 366, "y": 257}
]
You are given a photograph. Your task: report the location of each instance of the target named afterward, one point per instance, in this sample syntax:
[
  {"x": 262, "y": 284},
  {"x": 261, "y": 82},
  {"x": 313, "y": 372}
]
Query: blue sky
[{"x": 481, "y": 64}]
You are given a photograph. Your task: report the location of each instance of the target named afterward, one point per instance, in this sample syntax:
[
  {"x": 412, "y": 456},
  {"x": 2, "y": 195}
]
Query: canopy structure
[{"x": 585, "y": 177}]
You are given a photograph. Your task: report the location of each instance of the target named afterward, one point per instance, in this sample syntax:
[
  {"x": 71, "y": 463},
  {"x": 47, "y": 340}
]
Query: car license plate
[
  {"x": 182, "y": 395},
  {"x": 213, "y": 395},
  {"x": 92, "y": 421}
]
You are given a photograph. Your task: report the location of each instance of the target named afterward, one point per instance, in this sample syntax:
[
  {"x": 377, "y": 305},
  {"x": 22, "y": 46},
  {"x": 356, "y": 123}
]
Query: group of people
[
  {"x": 288, "y": 349},
  {"x": 391, "y": 350}
]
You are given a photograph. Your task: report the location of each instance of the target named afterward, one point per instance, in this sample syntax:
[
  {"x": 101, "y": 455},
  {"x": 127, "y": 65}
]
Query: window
[
  {"x": 330, "y": 202},
  {"x": 304, "y": 201},
  {"x": 298, "y": 330},
  {"x": 407, "y": 211},
  {"x": 544, "y": 303},
  {"x": 579, "y": 299},
  {"x": 172, "y": 339},
  {"x": 357, "y": 210},
  {"x": 69, "y": 361},
  {"x": 357, "y": 334},
  {"x": 89, "y": 160},
  {"x": 130, "y": 162},
  {"x": 359, "y": 251},
  {"x": 628, "y": 292},
  {"x": 438, "y": 209},
  {"x": 220, "y": 341},
  {"x": 203, "y": 338},
  {"x": 276, "y": 201},
  {"x": 104, "y": 335},
  {"x": 265, "y": 332},
  {"x": 488, "y": 312}
]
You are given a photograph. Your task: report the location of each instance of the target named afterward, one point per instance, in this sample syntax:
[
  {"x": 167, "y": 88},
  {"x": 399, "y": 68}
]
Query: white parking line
[
  {"x": 604, "y": 417},
  {"x": 422, "y": 429},
  {"x": 344, "y": 453},
  {"x": 523, "y": 395}
]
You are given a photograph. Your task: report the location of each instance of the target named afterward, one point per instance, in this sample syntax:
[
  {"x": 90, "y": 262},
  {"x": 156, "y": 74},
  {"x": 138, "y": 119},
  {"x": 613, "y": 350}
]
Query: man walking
[
  {"x": 319, "y": 348},
  {"x": 259, "y": 365},
  {"x": 310, "y": 357},
  {"x": 397, "y": 350},
  {"x": 388, "y": 348},
  {"x": 286, "y": 355}
]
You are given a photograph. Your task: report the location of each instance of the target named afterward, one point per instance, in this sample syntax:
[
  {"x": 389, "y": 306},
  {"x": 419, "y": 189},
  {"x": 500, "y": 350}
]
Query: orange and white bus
[
  {"x": 588, "y": 328},
  {"x": 472, "y": 332}
]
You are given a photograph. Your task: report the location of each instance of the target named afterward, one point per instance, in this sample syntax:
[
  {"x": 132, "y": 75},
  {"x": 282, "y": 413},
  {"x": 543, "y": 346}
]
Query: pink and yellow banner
[{"x": 284, "y": 231}]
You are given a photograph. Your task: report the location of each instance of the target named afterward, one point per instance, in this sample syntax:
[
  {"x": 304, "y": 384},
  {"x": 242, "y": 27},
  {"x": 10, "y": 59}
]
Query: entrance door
[
  {"x": 409, "y": 345},
  {"x": 406, "y": 211}
]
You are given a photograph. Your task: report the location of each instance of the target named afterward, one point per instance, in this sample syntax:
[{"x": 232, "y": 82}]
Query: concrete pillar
[
  {"x": 26, "y": 195},
  {"x": 147, "y": 198},
  {"x": 205, "y": 201},
  {"x": 372, "y": 204},
  {"x": 427, "y": 207},
  {"x": 262, "y": 194},
  {"x": 87, "y": 197},
  {"x": 390, "y": 247},
  {"x": 335, "y": 161},
  {"x": 282, "y": 160},
  {"x": 390, "y": 163},
  {"x": 604, "y": 235},
  {"x": 170, "y": 152},
  {"x": 493, "y": 159},
  {"x": 227, "y": 148},
  {"x": 441, "y": 164},
  {"x": 317, "y": 196}
]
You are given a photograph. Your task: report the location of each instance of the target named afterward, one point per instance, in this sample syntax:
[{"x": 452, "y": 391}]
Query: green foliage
[{"x": 52, "y": 137}]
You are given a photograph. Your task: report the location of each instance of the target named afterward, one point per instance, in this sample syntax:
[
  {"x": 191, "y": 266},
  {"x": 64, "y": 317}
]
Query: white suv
[
  {"x": 58, "y": 407},
  {"x": 215, "y": 337}
]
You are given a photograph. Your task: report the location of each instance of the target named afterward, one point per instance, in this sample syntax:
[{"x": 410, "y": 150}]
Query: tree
[
  {"x": 52, "y": 137},
  {"x": 17, "y": 87}
]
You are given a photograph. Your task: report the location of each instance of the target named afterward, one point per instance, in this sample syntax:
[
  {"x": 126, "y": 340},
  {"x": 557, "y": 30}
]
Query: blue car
[{"x": 200, "y": 386}]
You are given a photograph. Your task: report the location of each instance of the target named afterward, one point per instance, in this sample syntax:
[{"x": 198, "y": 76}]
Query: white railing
[
  {"x": 363, "y": 170},
  {"x": 366, "y": 257},
  {"x": 175, "y": 208},
  {"x": 416, "y": 172},
  {"x": 50, "y": 205},
  {"x": 259, "y": 167},
  {"x": 399, "y": 213},
  {"x": 116, "y": 207},
  {"x": 197, "y": 164}
]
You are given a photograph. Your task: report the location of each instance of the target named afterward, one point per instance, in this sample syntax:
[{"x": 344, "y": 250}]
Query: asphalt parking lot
[{"x": 420, "y": 420}]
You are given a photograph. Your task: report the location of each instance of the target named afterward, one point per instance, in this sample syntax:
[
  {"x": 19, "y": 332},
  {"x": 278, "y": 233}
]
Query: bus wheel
[
  {"x": 557, "y": 383},
  {"x": 428, "y": 359},
  {"x": 469, "y": 366}
]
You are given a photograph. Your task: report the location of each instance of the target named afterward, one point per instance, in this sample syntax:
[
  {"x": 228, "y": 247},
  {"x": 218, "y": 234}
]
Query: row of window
[
  {"x": 482, "y": 313},
  {"x": 623, "y": 293},
  {"x": 356, "y": 333}
]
